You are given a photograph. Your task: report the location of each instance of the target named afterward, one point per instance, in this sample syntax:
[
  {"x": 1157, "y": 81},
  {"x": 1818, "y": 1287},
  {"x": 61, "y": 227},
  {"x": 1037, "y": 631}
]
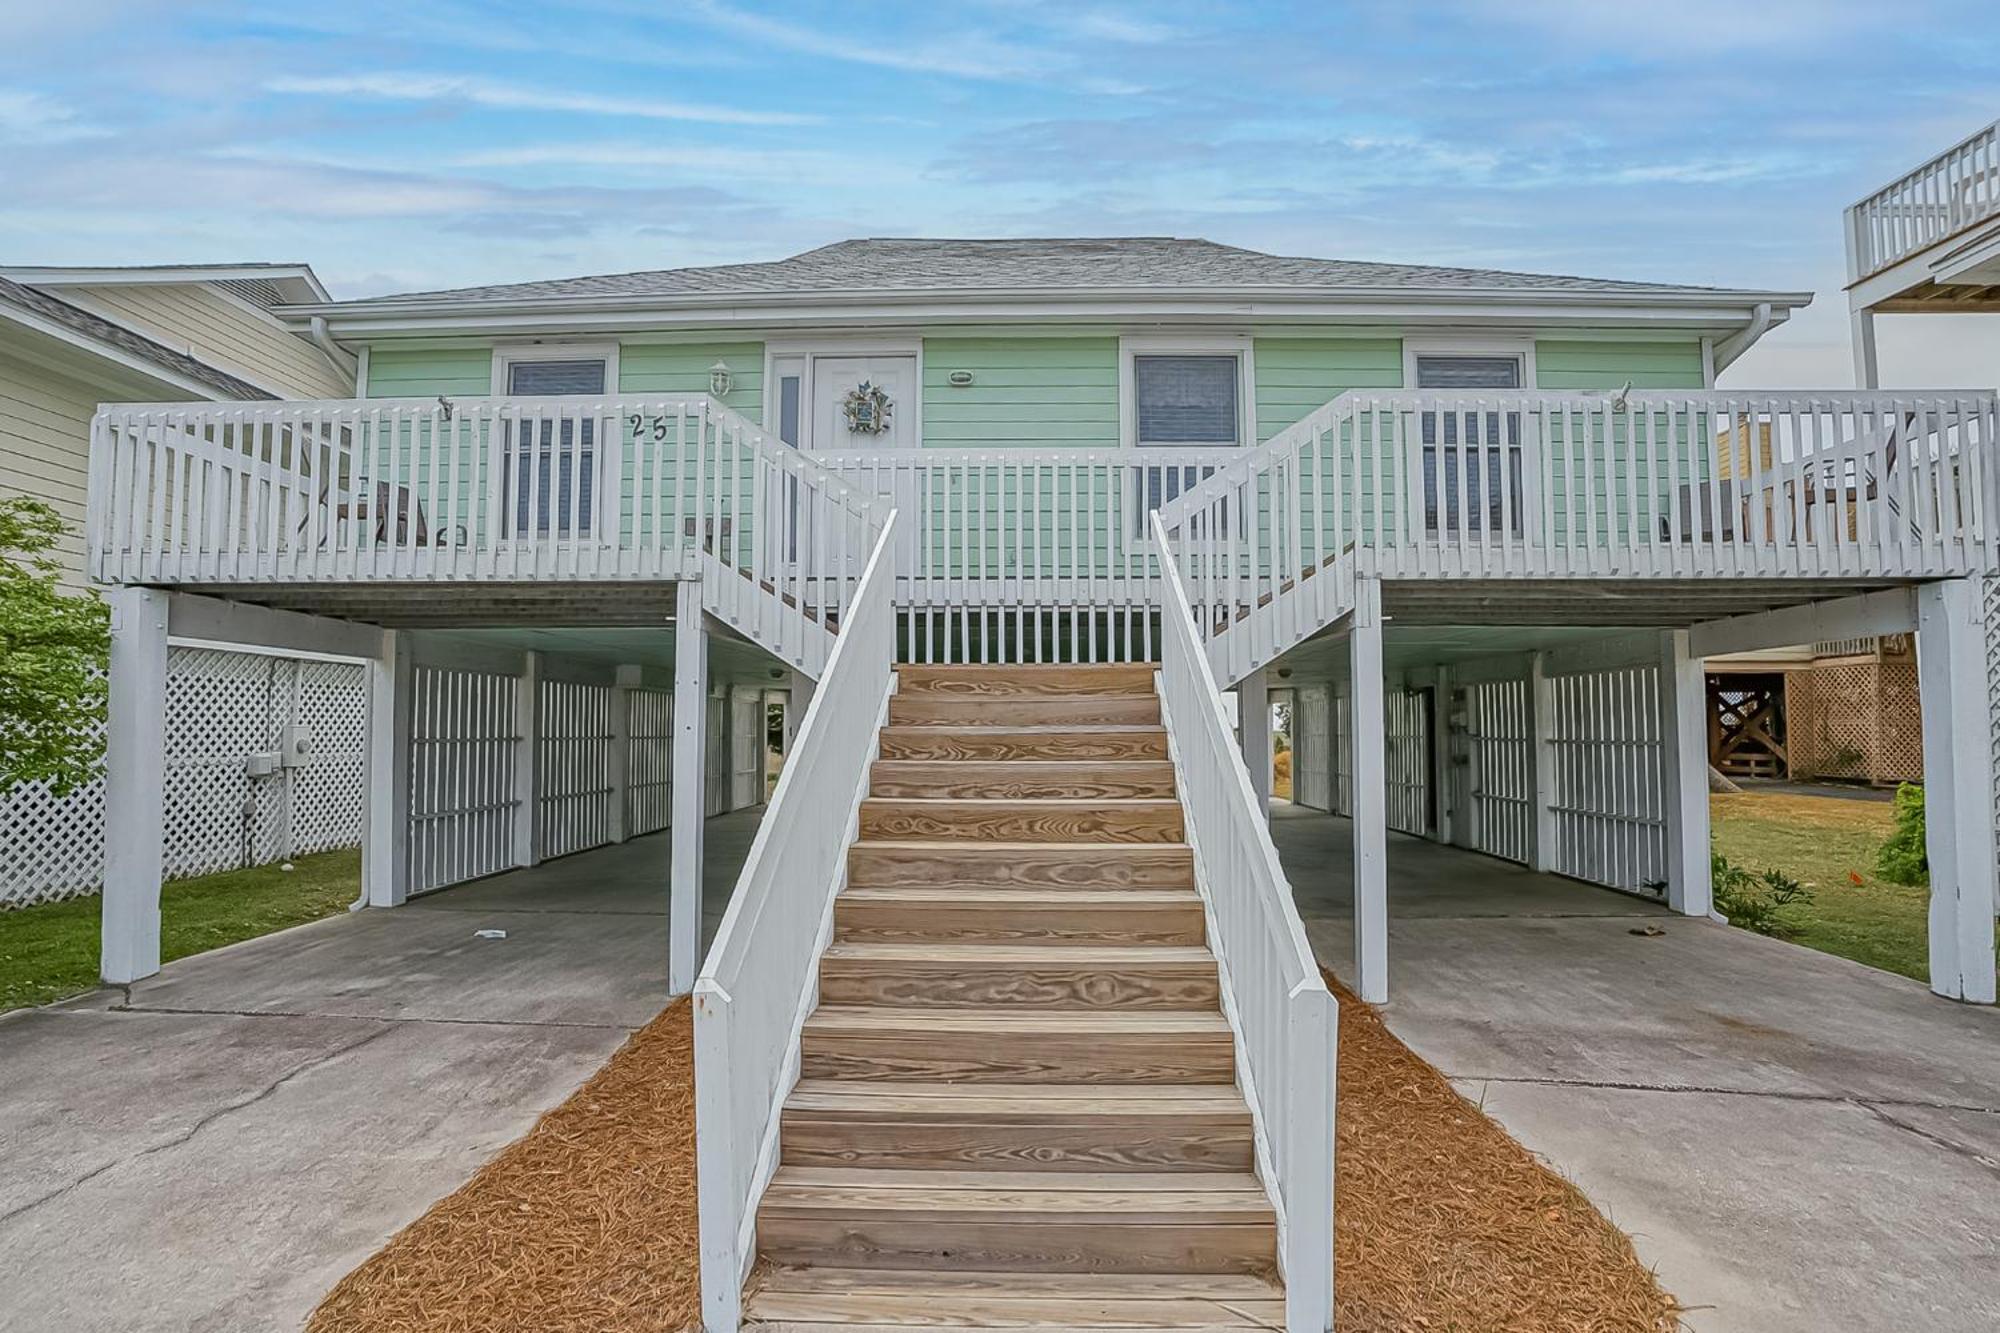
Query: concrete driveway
[
  {"x": 218, "y": 1147},
  {"x": 1795, "y": 1141}
]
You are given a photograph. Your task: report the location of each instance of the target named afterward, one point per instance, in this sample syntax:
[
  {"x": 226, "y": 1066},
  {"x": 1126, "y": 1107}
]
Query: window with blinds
[
  {"x": 556, "y": 457},
  {"x": 1187, "y": 400},
  {"x": 1471, "y": 456}
]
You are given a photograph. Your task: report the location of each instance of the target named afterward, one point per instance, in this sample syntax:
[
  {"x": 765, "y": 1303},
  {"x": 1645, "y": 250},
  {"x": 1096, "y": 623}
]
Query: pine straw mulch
[{"x": 587, "y": 1224}]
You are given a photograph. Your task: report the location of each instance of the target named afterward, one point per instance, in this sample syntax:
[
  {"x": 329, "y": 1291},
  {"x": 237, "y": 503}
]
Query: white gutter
[
  {"x": 343, "y": 311},
  {"x": 1739, "y": 342}
]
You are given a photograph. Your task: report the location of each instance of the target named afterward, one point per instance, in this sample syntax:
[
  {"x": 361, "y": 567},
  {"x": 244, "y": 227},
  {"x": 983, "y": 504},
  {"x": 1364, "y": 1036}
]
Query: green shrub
[
  {"x": 1902, "y": 859},
  {"x": 1752, "y": 900}
]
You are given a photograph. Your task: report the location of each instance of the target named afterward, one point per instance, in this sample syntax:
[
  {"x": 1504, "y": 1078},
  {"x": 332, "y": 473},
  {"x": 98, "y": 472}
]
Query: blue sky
[{"x": 406, "y": 145}]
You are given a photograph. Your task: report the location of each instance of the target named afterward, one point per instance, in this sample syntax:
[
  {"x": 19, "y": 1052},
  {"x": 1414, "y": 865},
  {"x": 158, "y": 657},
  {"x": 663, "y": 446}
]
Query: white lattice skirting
[{"x": 221, "y": 708}]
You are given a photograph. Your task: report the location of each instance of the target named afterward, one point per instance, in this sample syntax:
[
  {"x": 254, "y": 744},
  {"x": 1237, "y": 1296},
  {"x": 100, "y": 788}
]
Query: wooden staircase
[{"x": 1016, "y": 1104}]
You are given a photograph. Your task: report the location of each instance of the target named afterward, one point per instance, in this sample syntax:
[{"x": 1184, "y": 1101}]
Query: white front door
[{"x": 891, "y": 381}]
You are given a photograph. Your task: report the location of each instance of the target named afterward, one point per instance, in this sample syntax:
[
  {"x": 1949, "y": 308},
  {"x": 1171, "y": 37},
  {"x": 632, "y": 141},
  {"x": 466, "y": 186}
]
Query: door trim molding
[{"x": 809, "y": 350}]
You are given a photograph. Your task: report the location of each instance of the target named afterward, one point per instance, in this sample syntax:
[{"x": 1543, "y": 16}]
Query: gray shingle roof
[
  {"x": 103, "y": 330},
  {"x": 915, "y": 265}
]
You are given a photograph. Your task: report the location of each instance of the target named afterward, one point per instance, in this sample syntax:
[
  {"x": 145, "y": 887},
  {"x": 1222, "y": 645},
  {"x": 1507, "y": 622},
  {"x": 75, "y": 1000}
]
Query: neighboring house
[
  {"x": 70, "y": 340},
  {"x": 1483, "y": 526}
]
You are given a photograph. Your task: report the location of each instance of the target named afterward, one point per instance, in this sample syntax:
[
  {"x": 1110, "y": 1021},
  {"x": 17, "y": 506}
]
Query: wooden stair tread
[
  {"x": 851, "y": 1298},
  {"x": 1054, "y": 1022},
  {"x": 1022, "y": 896},
  {"x": 1023, "y": 955},
  {"x": 1022, "y": 1198},
  {"x": 986, "y": 846},
  {"x": 1023, "y": 1102},
  {"x": 892, "y": 1281},
  {"x": 1042, "y": 681}
]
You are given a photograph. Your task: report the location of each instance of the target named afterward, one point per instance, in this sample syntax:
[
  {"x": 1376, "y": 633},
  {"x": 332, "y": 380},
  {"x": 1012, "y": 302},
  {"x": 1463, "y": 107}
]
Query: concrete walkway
[
  {"x": 219, "y": 1147},
  {"x": 1795, "y": 1141}
]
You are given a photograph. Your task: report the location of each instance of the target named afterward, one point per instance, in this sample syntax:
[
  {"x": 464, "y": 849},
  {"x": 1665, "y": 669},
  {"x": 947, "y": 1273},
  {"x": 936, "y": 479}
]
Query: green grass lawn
[
  {"x": 1826, "y": 843},
  {"x": 50, "y": 951}
]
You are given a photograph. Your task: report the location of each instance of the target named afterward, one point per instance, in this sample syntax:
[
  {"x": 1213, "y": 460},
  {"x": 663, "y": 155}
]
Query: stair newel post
[
  {"x": 719, "y": 1191},
  {"x": 1307, "y": 1170}
]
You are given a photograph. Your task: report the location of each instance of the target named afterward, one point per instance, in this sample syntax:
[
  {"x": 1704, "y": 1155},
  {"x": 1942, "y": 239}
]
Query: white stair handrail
[
  {"x": 1283, "y": 1017},
  {"x": 760, "y": 978}
]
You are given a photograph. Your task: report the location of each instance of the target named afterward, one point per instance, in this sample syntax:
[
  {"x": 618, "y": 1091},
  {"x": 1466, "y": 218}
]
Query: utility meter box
[
  {"x": 260, "y": 763},
  {"x": 297, "y": 749}
]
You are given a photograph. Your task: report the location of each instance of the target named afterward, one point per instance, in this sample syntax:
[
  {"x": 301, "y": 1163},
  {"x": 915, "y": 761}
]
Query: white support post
[
  {"x": 1253, "y": 730},
  {"x": 1958, "y": 787},
  {"x": 527, "y": 757},
  {"x": 1542, "y": 756},
  {"x": 618, "y": 758},
  {"x": 690, "y": 781},
  {"x": 1684, "y": 775},
  {"x": 1867, "y": 368},
  {"x": 799, "y": 699},
  {"x": 1371, "y": 828},
  {"x": 135, "y": 773},
  {"x": 385, "y": 837}
]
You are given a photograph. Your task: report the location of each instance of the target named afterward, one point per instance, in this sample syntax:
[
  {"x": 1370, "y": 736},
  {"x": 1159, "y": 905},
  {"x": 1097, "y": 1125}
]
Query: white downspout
[
  {"x": 340, "y": 356},
  {"x": 1739, "y": 342}
]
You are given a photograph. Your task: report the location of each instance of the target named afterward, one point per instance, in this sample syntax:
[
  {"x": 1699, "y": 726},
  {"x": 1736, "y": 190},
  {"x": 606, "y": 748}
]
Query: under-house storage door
[{"x": 746, "y": 748}]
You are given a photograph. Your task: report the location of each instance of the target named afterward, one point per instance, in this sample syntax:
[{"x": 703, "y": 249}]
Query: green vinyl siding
[
  {"x": 1607, "y": 365},
  {"x": 1297, "y": 375},
  {"x": 426, "y": 372},
  {"x": 1647, "y": 460},
  {"x": 1036, "y": 393},
  {"x": 682, "y": 368}
]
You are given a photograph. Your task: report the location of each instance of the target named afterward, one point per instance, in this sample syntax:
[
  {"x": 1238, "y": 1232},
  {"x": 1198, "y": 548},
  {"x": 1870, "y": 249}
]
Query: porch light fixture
[{"x": 720, "y": 379}]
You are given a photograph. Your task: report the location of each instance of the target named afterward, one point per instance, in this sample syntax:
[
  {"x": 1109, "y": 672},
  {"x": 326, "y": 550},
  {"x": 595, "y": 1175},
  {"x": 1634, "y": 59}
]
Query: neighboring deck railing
[
  {"x": 1639, "y": 485},
  {"x": 760, "y": 979},
  {"x": 1284, "y": 1018},
  {"x": 1954, "y": 190}
]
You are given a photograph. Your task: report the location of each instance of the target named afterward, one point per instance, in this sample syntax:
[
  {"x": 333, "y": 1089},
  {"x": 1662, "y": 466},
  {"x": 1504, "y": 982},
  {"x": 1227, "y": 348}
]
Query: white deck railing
[
  {"x": 1027, "y": 554},
  {"x": 760, "y": 979},
  {"x": 1285, "y": 1020},
  {"x": 1954, "y": 190},
  {"x": 1827, "y": 485},
  {"x": 478, "y": 490}
]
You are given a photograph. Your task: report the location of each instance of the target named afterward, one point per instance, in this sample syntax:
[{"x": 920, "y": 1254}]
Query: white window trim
[
  {"x": 506, "y": 354},
  {"x": 1194, "y": 344},
  {"x": 809, "y": 350},
  {"x": 1519, "y": 346}
]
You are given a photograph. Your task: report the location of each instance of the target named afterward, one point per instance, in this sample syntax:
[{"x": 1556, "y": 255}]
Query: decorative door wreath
[{"x": 867, "y": 408}]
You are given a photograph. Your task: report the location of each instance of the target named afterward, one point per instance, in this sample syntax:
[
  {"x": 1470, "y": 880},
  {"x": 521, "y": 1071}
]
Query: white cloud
[
  {"x": 719, "y": 163},
  {"x": 419, "y": 87},
  {"x": 32, "y": 118},
  {"x": 969, "y": 55}
]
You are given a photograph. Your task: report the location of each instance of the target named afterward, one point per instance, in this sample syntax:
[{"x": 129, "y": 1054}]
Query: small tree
[
  {"x": 1904, "y": 858},
  {"x": 53, "y": 648}
]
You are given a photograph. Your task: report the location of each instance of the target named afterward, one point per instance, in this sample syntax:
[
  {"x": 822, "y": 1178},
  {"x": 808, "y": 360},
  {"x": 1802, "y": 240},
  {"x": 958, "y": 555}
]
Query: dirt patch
[
  {"x": 1444, "y": 1222},
  {"x": 584, "y": 1225},
  {"x": 587, "y": 1224}
]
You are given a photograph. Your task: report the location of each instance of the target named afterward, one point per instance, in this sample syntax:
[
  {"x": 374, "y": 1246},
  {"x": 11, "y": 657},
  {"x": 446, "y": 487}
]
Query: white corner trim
[
  {"x": 1520, "y": 346},
  {"x": 507, "y": 353},
  {"x": 1194, "y": 342}
]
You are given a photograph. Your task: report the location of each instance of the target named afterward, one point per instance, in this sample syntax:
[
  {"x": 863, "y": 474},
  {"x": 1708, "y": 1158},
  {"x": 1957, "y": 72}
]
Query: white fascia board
[
  {"x": 53, "y": 276},
  {"x": 216, "y": 620},
  {"x": 1718, "y": 311}
]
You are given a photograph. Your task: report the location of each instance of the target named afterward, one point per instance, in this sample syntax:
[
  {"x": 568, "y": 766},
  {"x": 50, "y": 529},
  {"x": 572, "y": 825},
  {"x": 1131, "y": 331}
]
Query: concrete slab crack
[
  {"x": 201, "y": 1122},
  {"x": 1936, "y": 1140},
  {"x": 1614, "y": 1085}
]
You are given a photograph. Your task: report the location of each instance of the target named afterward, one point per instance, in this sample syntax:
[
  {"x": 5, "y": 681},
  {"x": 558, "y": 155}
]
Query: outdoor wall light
[{"x": 720, "y": 379}]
